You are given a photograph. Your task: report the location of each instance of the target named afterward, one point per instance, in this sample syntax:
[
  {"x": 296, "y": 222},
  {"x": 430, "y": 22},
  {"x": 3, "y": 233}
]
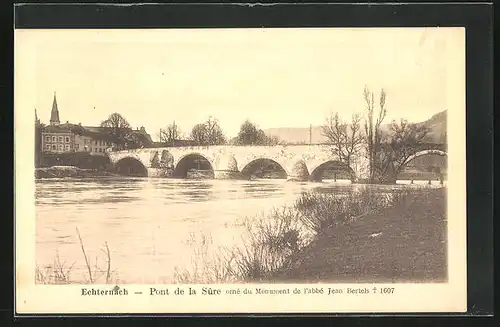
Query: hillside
[{"x": 436, "y": 124}]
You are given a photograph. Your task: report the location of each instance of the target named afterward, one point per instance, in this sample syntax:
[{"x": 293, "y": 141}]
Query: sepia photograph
[{"x": 268, "y": 157}]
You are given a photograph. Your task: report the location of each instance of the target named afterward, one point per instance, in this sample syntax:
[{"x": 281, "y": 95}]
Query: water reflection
[{"x": 260, "y": 186}]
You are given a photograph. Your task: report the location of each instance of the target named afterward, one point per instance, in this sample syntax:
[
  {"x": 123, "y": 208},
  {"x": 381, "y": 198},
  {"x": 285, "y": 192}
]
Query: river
[{"x": 151, "y": 225}]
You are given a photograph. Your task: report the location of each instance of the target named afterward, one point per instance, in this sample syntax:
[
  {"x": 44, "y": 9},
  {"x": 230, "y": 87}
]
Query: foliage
[
  {"x": 117, "y": 128},
  {"x": 250, "y": 134},
  {"x": 397, "y": 147},
  {"x": 199, "y": 134},
  {"x": 136, "y": 140},
  {"x": 84, "y": 160},
  {"x": 271, "y": 244},
  {"x": 320, "y": 212},
  {"x": 38, "y": 144},
  {"x": 170, "y": 134},
  {"x": 345, "y": 139},
  {"x": 208, "y": 133},
  {"x": 373, "y": 131}
]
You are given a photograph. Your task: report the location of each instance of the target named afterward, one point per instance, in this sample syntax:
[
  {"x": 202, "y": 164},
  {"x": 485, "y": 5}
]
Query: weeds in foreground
[
  {"x": 271, "y": 243},
  {"x": 59, "y": 273},
  {"x": 206, "y": 268},
  {"x": 56, "y": 273},
  {"x": 320, "y": 212},
  {"x": 275, "y": 240}
]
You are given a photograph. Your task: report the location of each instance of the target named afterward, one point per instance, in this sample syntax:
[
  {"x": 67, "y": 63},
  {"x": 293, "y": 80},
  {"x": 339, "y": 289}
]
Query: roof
[
  {"x": 95, "y": 129},
  {"x": 96, "y": 132},
  {"x": 54, "y": 114},
  {"x": 63, "y": 128}
]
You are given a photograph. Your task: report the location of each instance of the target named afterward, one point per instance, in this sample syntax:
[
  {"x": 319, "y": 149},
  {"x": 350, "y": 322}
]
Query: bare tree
[
  {"x": 199, "y": 134},
  {"x": 373, "y": 132},
  {"x": 250, "y": 134},
  {"x": 215, "y": 135},
  {"x": 170, "y": 134},
  {"x": 402, "y": 141},
  {"x": 208, "y": 133},
  {"x": 117, "y": 127},
  {"x": 345, "y": 139}
]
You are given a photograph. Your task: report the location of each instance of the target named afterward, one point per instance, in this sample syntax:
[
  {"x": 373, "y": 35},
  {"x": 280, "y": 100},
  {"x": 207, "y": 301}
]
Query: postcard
[{"x": 270, "y": 170}]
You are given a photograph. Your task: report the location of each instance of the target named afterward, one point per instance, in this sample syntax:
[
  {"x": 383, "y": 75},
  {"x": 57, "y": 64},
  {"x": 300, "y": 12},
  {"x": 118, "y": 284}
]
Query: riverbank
[
  {"x": 70, "y": 171},
  {"x": 357, "y": 236},
  {"x": 406, "y": 242}
]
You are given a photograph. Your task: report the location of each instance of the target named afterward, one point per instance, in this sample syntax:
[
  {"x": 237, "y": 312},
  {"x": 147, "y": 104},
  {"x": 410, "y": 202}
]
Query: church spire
[
  {"x": 54, "y": 114},
  {"x": 37, "y": 121}
]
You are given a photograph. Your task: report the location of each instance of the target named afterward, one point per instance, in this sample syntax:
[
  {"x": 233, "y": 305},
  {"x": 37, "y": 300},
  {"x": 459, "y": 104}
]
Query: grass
[
  {"x": 56, "y": 273},
  {"x": 320, "y": 212},
  {"x": 206, "y": 267},
  {"x": 405, "y": 241},
  {"x": 60, "y": 273},
  {"x": 277, "y": 245},
  {"x": 271, "y": 241}
]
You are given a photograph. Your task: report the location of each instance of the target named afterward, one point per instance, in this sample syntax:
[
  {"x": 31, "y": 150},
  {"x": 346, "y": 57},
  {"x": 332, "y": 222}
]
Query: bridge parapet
[{"x": 226, "y": 160}]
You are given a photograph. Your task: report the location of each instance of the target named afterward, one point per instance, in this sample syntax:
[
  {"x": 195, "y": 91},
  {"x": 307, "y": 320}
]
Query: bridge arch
[
  {"x": 339, "y": 169},
  {"x": 193, "y": 161},
  {"x": 264, "y": 168},
  {"x": 424, "y": 153},
  {"x": 426, "y": 170},
  {"x": 130, "y": 166}
]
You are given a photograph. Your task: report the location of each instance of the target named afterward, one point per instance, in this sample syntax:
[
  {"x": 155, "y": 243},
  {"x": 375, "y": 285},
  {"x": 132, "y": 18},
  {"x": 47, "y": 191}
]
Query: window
[
  {"x": 67, "y": 139},
  {"x": 54, "y": 147},
  {"x": 95, "y": 142},
  {"x": 47, "y": 147},
  {"x": 47, "y": 138},
  {"x": 54, "y": 139},
  {"x": 66, "y": 147},
  {"x": 61, "y": 139},
  {"x": 60, "y": 147}
]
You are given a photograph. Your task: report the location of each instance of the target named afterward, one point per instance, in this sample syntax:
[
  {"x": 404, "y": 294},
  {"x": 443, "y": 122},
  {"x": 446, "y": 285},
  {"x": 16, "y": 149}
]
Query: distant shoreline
[{"x": 70, "y": 171}]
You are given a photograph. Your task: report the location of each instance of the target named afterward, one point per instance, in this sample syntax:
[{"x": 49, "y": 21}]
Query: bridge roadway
[{"x": 300, "y": 162}]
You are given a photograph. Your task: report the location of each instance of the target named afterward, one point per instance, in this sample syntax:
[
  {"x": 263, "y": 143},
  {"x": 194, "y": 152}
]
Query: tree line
[
  {"x": 387, "y": 150},
  {"x": 202, "y": 134},
  {"x": 210, "y": 133}
]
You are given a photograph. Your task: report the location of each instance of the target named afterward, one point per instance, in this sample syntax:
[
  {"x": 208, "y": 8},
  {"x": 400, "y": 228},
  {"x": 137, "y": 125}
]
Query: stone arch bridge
[{"x": 299, "y": 162}]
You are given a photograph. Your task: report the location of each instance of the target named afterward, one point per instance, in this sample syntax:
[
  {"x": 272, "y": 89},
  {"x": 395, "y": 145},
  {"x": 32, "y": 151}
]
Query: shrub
[
  {"x": 271, "y": 243},
  {"x": 322, "y": 211}
]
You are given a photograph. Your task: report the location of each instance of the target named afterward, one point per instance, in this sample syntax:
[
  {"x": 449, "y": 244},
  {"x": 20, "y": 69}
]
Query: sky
[{"x": 274, "y": 77}]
